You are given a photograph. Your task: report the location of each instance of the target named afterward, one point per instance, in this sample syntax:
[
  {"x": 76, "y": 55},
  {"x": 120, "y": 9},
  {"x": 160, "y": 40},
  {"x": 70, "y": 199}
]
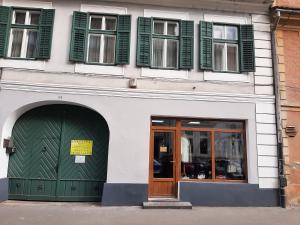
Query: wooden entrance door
[{"x": 162, "y": 181}]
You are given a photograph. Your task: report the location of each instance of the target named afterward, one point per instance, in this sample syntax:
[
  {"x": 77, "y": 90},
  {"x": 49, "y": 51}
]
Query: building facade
[
  {"x": 286, "y": 19},
  {"x": 124, "y": 102}
]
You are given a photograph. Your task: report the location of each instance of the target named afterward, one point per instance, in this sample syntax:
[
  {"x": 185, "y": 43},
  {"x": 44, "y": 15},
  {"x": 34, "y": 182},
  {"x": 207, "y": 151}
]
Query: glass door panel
[{"x": 163, "y": 155}]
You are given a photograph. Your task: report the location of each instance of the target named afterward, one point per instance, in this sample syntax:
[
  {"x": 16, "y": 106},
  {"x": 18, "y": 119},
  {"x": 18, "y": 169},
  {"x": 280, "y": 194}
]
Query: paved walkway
[{"x": 36, "y": 213}]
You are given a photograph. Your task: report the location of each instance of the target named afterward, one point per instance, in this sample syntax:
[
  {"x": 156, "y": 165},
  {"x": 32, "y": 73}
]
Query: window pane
[
  {"x": 94, "y": 48},
  {"x": 165, "y": 122},
  {"x": 20, "y": 17},
  {"x": 229, "y": 156},
  {"x": 109, "y": 49},
  {"x": 233, "y": 125},
  {"x": 158, "y": 52},
  {"x": 17, "y": 37},
  {"x": 172, "y": 53},
  {"x": 232, "y": 58},
  {"x": 163, "y": 154},
  {"x": 31, "y": 45},
  {"x": 196, "y": 155},
  {"x": 231, "y": 33},
  {"x": 159, "y": 27},
  {"x": 34, "y": 18},
  {"x": 219, "y": 63},
  {"x": 110, "y": 23},
  {"x": 219, "y": 32},
  {"x": 96, "y": 23},
  {"x": 172, "y": 28}
]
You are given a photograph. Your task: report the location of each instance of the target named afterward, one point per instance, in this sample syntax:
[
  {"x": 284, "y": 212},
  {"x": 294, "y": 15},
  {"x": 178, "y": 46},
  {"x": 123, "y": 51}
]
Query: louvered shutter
[
  {"x": 144, "y": 42},
  {"x": 123, "y": 39},
  {"x": 247, "y": 56},
  {"x": 5, "y": 17},
  {"x": 45, "y": 34},
  {"x": 206, "y": 42},
  {"x": 79, "y": 37},
  {"x": 186, "y": 45}
]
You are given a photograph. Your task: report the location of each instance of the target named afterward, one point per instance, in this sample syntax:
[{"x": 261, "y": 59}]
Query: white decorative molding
[
  {"x": 103, "y": 9},
  {"x": 166, "y": 14},
  {"x": 175, "y": 74},
  {"x": 99, "y": 69},
  {"x": 229, "y": 77},
  {"x": 210, "y": 17},
  {"x": 137, "y": 93},
  {"x": 22, "y": 64},
  {"x": 28, "y": 4}
]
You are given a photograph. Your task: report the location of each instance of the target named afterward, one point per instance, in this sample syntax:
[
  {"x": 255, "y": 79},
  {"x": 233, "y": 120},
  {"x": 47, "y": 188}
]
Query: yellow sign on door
[{"x": 81, "y": 147}]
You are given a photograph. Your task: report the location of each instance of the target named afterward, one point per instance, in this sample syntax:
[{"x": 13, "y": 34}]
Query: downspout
[{"x": 282, "y": 178}]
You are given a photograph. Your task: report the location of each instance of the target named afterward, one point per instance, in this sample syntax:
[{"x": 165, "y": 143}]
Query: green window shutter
[
  {"x": 247, "y": 56},
  {"x": 5, "y": 17},
  {"x": 123, "y": 39},
  {"x": 206, "y": 45},
  {"x": 144, "y": 42},
  {"x": 186, "y": 45},
  {"x": 45, "y": 33},
  {"x": 79, "y": 37}
]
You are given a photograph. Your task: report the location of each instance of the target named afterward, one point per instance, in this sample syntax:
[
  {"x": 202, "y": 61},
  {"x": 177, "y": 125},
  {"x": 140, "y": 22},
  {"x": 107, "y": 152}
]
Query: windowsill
[
  {"x": 99, "y": 69},
  {"x": 226, "y": 76},
  {"x": 165, "y": 73},
  {"x": 22, "y": 64}
]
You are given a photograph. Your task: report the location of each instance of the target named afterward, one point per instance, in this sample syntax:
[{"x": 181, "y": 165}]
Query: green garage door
[{"x": 42, "y": 168}]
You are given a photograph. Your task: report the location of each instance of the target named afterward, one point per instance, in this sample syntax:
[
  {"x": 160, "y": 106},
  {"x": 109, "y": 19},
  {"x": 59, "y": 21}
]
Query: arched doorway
[{"x": 49, "y": 165}]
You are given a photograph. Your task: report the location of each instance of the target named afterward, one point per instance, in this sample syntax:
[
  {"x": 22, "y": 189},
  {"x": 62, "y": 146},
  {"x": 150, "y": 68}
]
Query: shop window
[
  {"x": 165, "y": 44},
  {"x": 26, "y": 33},
  {"x": 215, "y": 152},
  {"x": 100, "y": 39},
  {"x": 226, "y": 48}
]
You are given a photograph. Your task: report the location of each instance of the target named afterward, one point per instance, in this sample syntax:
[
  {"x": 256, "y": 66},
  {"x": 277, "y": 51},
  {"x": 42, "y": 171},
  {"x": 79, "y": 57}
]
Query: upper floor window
[
  {"x": 26, "y": 33},
  {"x": 226, "y": 48},
  {"x": 167, "y": 44},
  {"x": 100, "y": 39}
]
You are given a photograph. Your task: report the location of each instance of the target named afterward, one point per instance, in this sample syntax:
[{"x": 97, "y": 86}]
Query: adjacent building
[
  {"x": 286, "y": 16},
  {"x": 124, "y": 102}
]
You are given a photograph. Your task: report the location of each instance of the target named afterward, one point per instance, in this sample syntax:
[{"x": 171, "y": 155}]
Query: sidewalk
[{"x": 42, "y": 213}]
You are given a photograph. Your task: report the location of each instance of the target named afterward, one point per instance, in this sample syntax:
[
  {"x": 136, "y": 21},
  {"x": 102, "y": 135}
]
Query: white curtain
[
  {"x": 109, "y": 49},
  {"x": 172, "y": 53},
  {"x": 17, "y": 36},
  {"x": 158, "y": 52},
  {"x": 31, "y": 46},
  {"x": 94, "y": 48}
]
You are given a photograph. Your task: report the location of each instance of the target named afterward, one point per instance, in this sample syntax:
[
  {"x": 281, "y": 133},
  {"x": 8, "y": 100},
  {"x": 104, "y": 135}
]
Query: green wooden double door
[{"x": 42, "y": 167}]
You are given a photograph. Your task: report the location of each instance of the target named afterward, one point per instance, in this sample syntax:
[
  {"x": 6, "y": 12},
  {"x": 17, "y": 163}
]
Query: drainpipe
[{"x": 282, "y": 179}]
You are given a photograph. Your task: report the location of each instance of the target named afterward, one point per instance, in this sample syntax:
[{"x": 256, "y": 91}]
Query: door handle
[{"x": 172, "y": 161}]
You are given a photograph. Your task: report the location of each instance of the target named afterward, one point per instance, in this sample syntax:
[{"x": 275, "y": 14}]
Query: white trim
[
  {"x": 136, "y": 93},
  {"x": 22, "y": 64},
  {"x": 166, "y": 14},
  {"x": 28, "y": 4},
  {"x": 165, "y": 73},
  {"x": 209, "y": 17},
  {"x": 229, "y": 77},
  {"x": 103, "y": 9},
  {"x": 99, "y": 69}
]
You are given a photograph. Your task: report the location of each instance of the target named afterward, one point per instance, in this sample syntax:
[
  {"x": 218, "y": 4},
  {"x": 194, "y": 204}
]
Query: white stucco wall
[{"x": 195, "y": 93}]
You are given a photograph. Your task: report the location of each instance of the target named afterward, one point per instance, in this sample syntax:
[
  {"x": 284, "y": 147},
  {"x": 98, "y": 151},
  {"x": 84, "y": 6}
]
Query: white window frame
[
  {"x": 101, "y": 55},
  {"x": 165, "y": 47},
  {"x": 225, "y": 59},
  {"x": 25, "y": 34}
]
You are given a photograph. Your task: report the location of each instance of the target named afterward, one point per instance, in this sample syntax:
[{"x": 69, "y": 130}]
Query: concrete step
[{"x": 167, "y": 205}]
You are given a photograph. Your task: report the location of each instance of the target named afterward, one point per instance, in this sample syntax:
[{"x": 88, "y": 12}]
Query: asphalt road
[{"x": 42, "y": 213}]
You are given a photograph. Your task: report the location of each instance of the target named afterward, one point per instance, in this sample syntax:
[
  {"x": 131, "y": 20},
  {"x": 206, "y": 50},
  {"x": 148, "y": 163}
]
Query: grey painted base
[
  {"x": 3, "y": 189},
  {"x": 124, "y": 194},
  {"x": 227, "y": 194}
]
